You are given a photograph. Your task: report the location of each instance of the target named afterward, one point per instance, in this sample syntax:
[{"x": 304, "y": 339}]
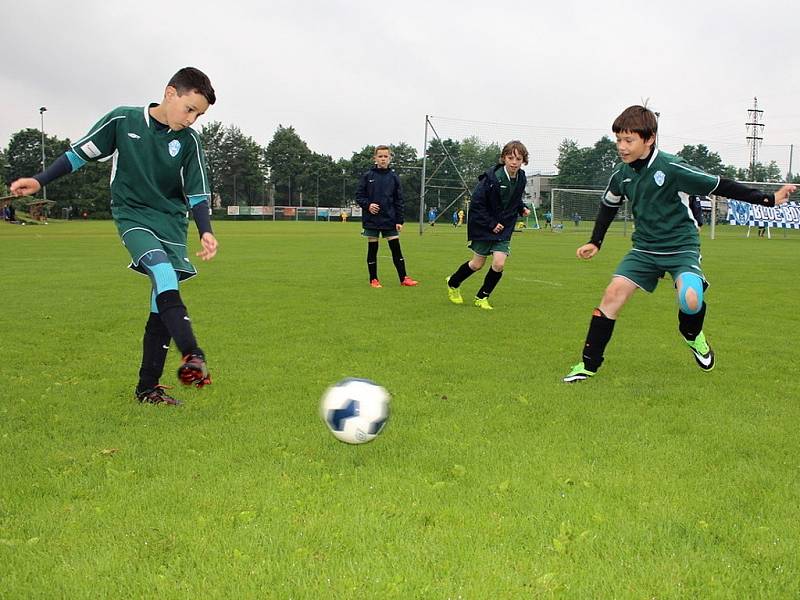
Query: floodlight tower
[
  {"x": 41, "y": 114},
  {"x": 754, "y": 129}
]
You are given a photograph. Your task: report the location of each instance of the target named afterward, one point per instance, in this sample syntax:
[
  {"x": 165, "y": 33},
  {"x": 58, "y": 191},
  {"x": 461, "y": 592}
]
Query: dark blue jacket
[
  {"x": 486, "y": 208},
  {"x": 382, "y": 187}
]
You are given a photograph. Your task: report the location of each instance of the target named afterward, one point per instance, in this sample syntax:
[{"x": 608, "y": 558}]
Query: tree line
[
  {"x": 287, "y": 172},
  {"x": 591, "y": 166},
  {"x": 242, "y": 172}
]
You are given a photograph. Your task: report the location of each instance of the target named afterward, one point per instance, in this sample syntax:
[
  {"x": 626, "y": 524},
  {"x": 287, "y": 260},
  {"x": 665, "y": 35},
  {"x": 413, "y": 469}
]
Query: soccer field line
[{"x": 526, "y": 280}]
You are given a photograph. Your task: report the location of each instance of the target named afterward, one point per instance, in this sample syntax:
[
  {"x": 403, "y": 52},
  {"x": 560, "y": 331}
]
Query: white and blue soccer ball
[{"x": 355, "y": 410}]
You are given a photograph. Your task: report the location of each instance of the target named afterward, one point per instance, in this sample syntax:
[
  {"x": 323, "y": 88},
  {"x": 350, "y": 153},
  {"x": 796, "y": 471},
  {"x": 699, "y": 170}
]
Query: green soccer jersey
[
  {"x": 157, "y": 173},
  {"x": 507, "y": 185},
  {"x": 659, "y": 198}
]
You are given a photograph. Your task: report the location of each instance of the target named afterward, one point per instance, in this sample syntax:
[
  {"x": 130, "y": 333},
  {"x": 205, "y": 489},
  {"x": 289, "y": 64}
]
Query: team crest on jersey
[
  {"x": 174, "y": 148},
  {"x": 659, "y": 177}
]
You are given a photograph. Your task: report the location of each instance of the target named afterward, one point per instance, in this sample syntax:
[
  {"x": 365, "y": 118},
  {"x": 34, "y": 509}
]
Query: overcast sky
[{"x": 347, "y": 74}]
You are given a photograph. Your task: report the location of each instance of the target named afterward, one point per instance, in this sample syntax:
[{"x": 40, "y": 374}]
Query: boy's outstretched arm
[
  {"x": 609, "y": 206},
  {"x": 25, "y": 186},
  {"x": 737, "y": 191},
  {"x": 782, "y": 195},
  {"x": 63, "y": 165},
  {"x": 603, "y": 221}
]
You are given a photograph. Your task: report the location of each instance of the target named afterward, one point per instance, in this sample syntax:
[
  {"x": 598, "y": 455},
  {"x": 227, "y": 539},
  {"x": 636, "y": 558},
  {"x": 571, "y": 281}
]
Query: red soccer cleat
[
  {"x": 408, "y": 282},
  {"x": 156, "y": 395},
  {"x": 193, "y": 371},
  {"x": 375, "y": 283}
]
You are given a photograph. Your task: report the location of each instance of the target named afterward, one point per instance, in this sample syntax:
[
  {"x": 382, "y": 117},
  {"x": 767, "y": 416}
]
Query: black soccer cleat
[
  {"x": 156, "y": 395},
  {"x": 193, "y": 371}
]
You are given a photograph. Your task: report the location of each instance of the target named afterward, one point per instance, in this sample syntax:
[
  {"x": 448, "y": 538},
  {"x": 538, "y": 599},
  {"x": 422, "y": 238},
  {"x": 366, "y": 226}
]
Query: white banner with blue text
[{"x": 742, "y": 213}]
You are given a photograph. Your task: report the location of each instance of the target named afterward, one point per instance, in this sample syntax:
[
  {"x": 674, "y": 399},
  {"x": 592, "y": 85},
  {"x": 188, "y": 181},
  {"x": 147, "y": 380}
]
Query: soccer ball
[{"x": 355, "y": 410}]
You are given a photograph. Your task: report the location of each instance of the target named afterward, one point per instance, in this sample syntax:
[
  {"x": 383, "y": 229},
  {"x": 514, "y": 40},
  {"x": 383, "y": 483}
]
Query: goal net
[{"x": 573, "y": 208}]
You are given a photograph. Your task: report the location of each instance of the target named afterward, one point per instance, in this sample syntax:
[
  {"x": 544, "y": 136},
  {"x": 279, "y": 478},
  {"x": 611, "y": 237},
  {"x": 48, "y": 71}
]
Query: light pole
[
  {"x": 343, "y": 182},
  {"x": 316, "y": 210},
  {"x": 41, "y": 114}
]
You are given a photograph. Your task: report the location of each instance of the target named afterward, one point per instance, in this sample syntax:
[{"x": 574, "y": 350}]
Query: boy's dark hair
[
  {"x": 515, "y": 146},
  {"x": 382, "y": 147},
  {"x": 189, "y": 79},
  {"x": 637, "y": 119}
]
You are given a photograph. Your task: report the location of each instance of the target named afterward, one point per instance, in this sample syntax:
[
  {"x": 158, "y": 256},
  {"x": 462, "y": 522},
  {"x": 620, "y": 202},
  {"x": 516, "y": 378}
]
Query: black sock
[
  {"x": 372, "y": 259},
  {"x": 690, "y": 326},
  {"x": 176, "y": 319},
  {"x": 489, "y": 283},
  {"x": 600, "y": 330},
  {"x": 457, "y": 278},
  {"x": 397, "y": 258},
  {"x": 155, "y": 345}
]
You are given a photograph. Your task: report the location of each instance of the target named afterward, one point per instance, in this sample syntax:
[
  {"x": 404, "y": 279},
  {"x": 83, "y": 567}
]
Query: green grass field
[{"x": 492, "y": 479}]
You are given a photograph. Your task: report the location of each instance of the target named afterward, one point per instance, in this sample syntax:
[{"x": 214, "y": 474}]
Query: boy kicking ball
[
  {"x": 665, "y": 240},
  {"x": 158, "y": 176}
]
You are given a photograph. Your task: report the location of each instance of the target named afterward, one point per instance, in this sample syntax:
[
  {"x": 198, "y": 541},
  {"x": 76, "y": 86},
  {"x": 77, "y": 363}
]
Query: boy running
[
  {"x": 158, "y": 176},
  {"x": 381, "y": 199},
  {"x": 496, "y": 202},
  {"x": 665, "y": 240}
]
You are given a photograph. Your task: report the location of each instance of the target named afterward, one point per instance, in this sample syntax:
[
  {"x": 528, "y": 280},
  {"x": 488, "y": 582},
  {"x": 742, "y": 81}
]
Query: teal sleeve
[
  {"x": 197, "y": 199},
  {"x": 74, "y": 160}
]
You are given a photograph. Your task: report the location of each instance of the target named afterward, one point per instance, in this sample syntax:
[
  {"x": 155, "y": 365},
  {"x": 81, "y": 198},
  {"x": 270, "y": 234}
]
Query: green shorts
[
  {"x": 485, "y": 248},
  {"x": 138, "y": 241},
  {"x": 386, "y": 233},
  {"x": 645, "y": 269}
]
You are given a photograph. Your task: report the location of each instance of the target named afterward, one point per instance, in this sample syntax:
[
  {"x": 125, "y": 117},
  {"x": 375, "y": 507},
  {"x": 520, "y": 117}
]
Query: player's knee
[
  {"x": 476, "y": 265},
  {"x": 614, "y": 295},
  {"x": 690, "y": 304},
  {"x": 690, "y": 293},
  {"x": 160, "y": 271},
  {"x": 169, "y": 299}
]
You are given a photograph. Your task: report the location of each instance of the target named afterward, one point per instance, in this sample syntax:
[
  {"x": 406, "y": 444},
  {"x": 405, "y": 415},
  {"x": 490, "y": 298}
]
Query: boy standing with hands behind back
[{"x": 381, "y": 200}]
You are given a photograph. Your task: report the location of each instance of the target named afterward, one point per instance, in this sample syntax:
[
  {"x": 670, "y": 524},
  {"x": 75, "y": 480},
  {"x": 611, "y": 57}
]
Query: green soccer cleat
[
  {"x": 578, "y": 373},
  {"x": 482, "y": 303},
  {"x": 453, "y": 294},
  {"x": 703, "y": 354}
]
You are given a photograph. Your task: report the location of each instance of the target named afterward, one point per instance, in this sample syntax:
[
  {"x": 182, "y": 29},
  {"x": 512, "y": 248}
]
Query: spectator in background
[{"x": 380, "y": 197}]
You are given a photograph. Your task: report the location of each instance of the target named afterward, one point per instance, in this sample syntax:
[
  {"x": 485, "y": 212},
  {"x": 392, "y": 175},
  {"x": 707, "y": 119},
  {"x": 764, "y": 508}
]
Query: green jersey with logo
[
  {"x": 507, "y": 185},
  {"x": 157, "y": 173},
  {"x": 659, "y": 198}
]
